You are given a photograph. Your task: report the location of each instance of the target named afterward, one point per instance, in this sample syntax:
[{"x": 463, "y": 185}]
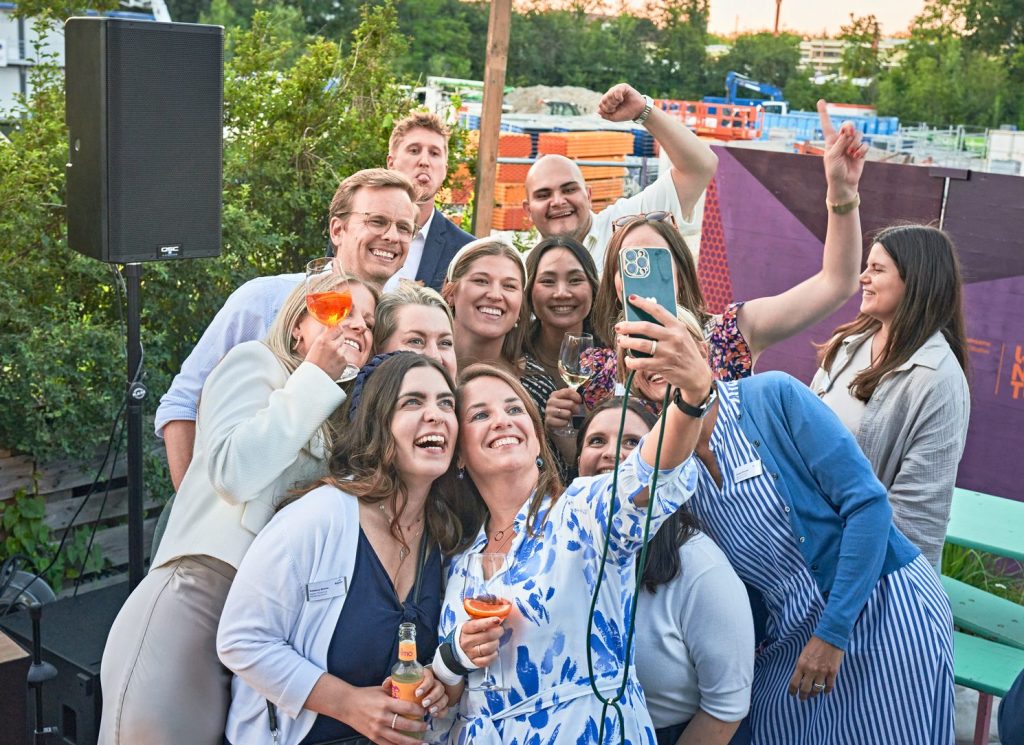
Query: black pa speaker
[
  {"x": 145, "y": 124},
  {"x": 73, "y": 632}
]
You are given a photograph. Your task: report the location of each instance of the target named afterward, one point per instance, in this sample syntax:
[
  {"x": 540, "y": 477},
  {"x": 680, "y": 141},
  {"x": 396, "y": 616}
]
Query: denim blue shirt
[{"x": 840, "y": 513}]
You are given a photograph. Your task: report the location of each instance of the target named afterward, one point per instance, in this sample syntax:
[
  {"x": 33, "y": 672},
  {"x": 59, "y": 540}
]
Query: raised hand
[
  {"x": 621, "y": 103},
  {"x": 844, "y": 157},
  {"x": 677, "y": 356},
  {"x": 330, "y": 353}
]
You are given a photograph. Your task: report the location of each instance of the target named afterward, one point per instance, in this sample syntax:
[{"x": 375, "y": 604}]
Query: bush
[{"x": 300, "y": 115}]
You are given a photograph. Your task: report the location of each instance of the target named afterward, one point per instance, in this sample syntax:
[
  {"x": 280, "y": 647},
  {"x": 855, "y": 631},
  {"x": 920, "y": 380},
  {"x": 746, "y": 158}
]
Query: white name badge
[
  {"x": 328, "y": 588},
  {"x": 748, "y": 471}
]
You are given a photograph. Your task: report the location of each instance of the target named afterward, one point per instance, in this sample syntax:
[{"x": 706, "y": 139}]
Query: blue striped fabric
[{"x": 896, "y": 681}]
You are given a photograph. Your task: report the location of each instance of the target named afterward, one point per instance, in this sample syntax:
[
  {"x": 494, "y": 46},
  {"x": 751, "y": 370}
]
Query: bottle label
[
  {"x": 406, "y": 691},
  {"x": 407, "y": 651}
]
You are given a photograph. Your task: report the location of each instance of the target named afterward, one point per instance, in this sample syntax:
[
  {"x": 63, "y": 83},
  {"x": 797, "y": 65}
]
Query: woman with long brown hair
[
  {"x": 310, "y": 626},
  {"x": 695, "y": 634},
  {"x": 896, "y": 377}
]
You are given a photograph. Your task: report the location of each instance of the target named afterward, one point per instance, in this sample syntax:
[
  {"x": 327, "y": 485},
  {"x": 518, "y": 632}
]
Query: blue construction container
[{"x": 805, "y": 125}]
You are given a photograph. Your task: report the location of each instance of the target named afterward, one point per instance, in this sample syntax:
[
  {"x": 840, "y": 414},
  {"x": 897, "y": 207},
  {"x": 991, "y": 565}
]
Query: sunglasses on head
[{"x": 657, "y": 216}]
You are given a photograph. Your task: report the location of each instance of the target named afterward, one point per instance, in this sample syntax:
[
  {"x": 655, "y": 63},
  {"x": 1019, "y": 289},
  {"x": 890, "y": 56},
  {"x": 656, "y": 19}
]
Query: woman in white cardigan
[
  {"x": 310, "y": 625},
  {"x": 896, "y": 377},
  {"x": 263, "y": 428}
]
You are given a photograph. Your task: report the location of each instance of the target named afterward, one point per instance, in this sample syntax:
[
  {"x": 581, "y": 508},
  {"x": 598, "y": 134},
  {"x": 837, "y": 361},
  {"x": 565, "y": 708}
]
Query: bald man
[{"x": 558, "y": 199}]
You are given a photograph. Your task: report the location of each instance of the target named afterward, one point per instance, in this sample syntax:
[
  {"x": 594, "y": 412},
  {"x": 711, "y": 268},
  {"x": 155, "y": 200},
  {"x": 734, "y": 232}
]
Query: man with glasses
[
  {"x": 558, "y": 199},
  {"x": 372, "y": 220}
]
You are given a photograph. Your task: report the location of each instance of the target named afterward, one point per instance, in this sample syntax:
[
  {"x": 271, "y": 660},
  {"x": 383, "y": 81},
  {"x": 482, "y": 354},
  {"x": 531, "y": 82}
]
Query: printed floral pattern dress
[
  {"x": 553, "y": 573},
  {"x": 728, "y": 355}
]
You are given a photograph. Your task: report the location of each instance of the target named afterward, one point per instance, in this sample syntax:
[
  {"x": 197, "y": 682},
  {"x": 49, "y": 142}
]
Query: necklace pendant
[
  {"x": 402, "y": 553},
  {"x": 499, "y": 535}
]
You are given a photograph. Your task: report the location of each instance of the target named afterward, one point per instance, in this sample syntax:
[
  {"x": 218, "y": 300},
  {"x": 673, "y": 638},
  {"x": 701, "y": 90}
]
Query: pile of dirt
[{"x": 530, "y": 100}]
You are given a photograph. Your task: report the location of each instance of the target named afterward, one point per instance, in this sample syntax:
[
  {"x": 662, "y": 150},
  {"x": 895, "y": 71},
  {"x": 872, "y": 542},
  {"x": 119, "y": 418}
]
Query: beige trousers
[{"x": 162, "y": 681}]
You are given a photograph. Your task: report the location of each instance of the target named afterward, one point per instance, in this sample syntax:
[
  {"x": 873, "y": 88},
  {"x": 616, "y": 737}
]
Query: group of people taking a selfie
[{"x": 728, "y": 556}]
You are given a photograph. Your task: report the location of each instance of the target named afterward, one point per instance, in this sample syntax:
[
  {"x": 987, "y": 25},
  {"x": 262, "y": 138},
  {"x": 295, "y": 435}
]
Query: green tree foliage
[
  {"x": 761, "y": 56},
  {"x": 941, "y": 82},
  {"x": 293, "y": 130},
  {"x": 861, "y": 58}
]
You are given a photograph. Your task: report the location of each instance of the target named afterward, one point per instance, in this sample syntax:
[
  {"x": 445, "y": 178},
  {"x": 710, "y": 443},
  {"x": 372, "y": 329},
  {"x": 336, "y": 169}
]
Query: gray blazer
[{"x": 913, "y": 432}]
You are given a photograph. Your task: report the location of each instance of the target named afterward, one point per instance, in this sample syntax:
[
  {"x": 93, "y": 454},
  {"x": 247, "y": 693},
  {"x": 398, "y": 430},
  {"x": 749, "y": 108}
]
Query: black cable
[
  {"x": 631, "y": 622},
  {"x": 99, "y": 516}
]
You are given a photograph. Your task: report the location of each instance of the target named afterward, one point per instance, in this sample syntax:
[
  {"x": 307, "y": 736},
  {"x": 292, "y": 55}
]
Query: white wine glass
[
  {"x": 329, "y": 298},
  {"x": 575, "y": 365}
]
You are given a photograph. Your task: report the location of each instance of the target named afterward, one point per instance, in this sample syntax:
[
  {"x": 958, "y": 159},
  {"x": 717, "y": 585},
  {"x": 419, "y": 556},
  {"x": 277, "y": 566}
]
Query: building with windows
[
  {"x": 21, "y": 44},
  {"x": 824, "y": 56}
]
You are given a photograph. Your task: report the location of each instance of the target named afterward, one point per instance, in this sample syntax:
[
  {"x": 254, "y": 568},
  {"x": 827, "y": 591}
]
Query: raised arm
[
  {"x": 768, "y": 320},
  {"x": 693, "y": 163}
]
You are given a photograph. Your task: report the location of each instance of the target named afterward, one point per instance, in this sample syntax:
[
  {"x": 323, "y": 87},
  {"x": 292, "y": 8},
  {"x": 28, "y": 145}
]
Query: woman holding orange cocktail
[{"x": 262, "y": 428}]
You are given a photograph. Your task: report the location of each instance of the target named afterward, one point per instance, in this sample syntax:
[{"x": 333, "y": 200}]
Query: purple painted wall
[{"x": 773, "y": 219}]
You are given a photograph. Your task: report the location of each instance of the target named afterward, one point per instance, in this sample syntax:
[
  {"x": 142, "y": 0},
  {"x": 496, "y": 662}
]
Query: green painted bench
[
  {"x": 987, "y": 523},
  {"x": 984, "y": 665},
  {"x": 988, "y": 665},
  {"x": 985, "y": 614},
  {"x": 989, "y": 668}
]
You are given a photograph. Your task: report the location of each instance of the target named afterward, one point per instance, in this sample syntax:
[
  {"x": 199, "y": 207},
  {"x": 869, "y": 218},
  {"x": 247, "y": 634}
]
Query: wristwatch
[
  {"x": 700, "y": 410},
  {"x": 648, "y": 107}
]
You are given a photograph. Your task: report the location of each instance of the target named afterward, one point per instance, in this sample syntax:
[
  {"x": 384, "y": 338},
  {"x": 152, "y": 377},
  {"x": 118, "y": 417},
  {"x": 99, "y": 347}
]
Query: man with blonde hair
[
  {"x": 418, "y": 148},
  {"x": 372, "y": 220}
]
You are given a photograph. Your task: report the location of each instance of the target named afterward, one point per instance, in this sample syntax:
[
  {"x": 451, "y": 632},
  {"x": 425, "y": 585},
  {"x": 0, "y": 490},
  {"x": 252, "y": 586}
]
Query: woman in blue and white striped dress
[{"x": 859, "y": 634}]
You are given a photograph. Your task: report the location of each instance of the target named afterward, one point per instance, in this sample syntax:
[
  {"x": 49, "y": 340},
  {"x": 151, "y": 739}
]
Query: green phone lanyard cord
[{"x": 612, "y": 509}]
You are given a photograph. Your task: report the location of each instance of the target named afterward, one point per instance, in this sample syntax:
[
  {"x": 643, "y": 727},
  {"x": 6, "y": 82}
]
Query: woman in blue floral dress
[{"x": 554, "y": 542}]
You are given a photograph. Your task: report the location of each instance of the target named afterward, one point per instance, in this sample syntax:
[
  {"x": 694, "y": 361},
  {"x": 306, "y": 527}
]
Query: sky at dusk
[{"x": 809, "y": 16}]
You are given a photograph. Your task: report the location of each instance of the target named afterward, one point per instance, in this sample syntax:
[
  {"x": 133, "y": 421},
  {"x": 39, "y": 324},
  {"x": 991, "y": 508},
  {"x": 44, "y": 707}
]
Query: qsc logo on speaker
[{"x": 636, "y": 264}]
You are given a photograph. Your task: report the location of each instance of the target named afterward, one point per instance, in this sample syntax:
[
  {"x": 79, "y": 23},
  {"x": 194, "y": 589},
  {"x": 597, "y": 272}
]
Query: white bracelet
[{"x": 441, "y": 671}]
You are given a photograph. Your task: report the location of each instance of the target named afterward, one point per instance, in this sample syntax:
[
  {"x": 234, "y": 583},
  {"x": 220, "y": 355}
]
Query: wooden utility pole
[
  {"x": 490, "y": 117},
  {"x": 778, "y": 10}
]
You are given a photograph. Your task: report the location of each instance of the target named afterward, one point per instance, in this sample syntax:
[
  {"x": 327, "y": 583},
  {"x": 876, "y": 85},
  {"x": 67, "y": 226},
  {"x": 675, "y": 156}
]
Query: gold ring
[{"x": 654, "y": 346}]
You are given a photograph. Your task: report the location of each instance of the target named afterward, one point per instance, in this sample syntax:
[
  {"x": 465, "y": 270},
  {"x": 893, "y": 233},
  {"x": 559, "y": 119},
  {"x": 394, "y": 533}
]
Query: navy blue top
[{"x": 364, "y": 646}]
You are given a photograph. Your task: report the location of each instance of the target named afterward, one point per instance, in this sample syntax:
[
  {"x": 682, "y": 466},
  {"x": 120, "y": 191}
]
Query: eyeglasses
[
  {"x": 657, "y": 216},
  {"x": 380, "y": 224}
]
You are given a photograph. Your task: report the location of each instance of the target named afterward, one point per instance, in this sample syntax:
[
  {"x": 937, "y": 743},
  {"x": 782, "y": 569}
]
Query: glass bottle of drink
[{"x": 407, "y": 673}]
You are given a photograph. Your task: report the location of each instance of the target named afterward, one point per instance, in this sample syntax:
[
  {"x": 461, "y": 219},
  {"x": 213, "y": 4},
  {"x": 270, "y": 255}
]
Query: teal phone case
[{"x": 649, "y": 273}]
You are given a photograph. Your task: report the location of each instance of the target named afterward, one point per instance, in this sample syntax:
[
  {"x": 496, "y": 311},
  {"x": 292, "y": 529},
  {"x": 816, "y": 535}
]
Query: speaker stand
[{"x": 136, "y": 397}]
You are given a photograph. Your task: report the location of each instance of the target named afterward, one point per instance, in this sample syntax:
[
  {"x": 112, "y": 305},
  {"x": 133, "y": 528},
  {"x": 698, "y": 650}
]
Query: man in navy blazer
[{"x": 418, "y": 148}]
